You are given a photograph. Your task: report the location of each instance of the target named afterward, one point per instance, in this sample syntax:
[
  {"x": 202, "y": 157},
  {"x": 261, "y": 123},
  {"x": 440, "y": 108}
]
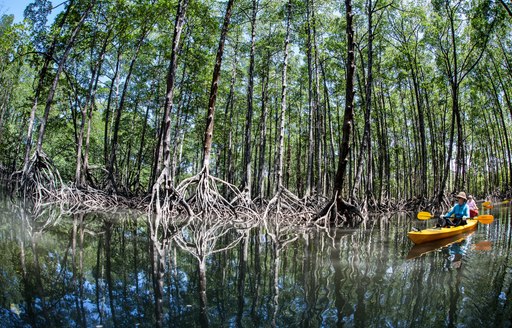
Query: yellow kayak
[
  {"x": 431, "y": 234},
  {"x": 422, "y": 249}
]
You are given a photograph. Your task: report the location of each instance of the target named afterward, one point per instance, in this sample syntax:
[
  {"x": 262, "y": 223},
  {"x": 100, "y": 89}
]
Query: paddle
[
  {"x": 424, "y": 215},
  {"x": 484, "y": 218},
  {"x": 487, "y": 204}
]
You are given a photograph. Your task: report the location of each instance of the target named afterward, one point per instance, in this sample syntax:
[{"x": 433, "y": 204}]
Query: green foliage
[{"x": 414, "y": 58}]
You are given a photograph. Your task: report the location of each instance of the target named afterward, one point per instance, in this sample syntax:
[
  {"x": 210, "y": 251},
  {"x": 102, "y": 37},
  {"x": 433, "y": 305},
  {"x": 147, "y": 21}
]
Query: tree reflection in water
[
  {"x": 204, "y": 236},
  {"x": 116, "y": 270},
  {"x": 281, "y": 236}
]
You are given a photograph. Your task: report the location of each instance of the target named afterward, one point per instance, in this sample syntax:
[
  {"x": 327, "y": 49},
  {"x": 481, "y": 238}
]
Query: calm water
[{"x": 88, "y": 270}]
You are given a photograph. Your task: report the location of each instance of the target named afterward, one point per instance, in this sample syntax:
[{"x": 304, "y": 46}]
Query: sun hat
[
  {"x": 470, "y": 196},
  {"x": 462, "y": 195}
]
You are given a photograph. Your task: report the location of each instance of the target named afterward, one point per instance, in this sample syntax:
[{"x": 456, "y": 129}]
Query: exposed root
[
  {"x": 202, "y": 192},
  {"x": 90, "y": 199},
  {"x": 42, "y": 184},
  {"x": 437, "y": 205},
  {"x": 40, "y": 180},
  {"x": 287, "y": 207},
  {"x": 76, "y": 200},
  {"x": 167, "y": 201},
  {"x": 338, "y": 212}
]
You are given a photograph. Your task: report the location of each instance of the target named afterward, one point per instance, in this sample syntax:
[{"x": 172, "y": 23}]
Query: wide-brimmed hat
[{"x": 462, "y": 195}]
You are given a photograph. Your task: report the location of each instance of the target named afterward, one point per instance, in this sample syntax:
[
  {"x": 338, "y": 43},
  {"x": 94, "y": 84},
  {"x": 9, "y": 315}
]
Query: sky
[
  {"x": 14, "y": 7},
  {"x": 17, "y": 7}
]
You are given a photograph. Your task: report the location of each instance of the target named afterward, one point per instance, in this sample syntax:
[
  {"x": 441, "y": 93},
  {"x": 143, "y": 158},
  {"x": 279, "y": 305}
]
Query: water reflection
[
  {"x": 484, "y": 245},
  {"x": 436, "y": 245},
  {"x": 120, "y": 270}
]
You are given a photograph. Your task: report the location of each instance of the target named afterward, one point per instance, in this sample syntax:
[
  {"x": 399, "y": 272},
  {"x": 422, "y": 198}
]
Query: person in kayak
[
  {"x": 460, "y": 212},
  {"x": 473, "y": 209}
]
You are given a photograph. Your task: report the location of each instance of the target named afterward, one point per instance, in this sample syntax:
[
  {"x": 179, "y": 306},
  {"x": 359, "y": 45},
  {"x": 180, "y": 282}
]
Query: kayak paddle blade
[
  {"x": 485, "y": 219},
  {"x": 424, "y": 215}
]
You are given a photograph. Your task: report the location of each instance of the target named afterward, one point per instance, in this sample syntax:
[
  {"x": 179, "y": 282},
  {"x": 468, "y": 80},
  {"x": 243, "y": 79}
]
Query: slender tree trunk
[
  {"x": 299, "y": 157},
  {"x": 247, "y": 180},
  {"x": 263, "y": 127},
  {"x": 53, "y": 88},
  {"x": 208, "y": 135},
  {"x": 183, "y": 103},
  {"x": 311, "y": 104},
  {"x": 348, "y": 119},
  {"x": 79, "y": 142},
  {"x": 169, "y": 96},
  {"x": 113, "y": 152},
  {"x": 507, "y": 7},
  {"x": 140, "y": 153},
  {"x": 107, "y": 110},
  {"x": 156, "y": 166},
  {"x": 284, "y": 86},
  {"x": 228, "y": 121},
  {"x": 421, "y": 123},
  {"x": 81, "y": 169},
  {"x": 42, "y": 76},
  {"x": 318, "y": 113}
]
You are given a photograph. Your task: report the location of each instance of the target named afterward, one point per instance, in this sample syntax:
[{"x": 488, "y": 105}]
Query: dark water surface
[{"x": 88, "y": 270}]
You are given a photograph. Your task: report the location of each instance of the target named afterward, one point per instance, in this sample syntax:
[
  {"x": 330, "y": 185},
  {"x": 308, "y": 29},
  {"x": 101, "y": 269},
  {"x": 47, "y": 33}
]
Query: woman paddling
[
  {"x": 460, "y": 212},
  {"x": 473, "y": 209}
]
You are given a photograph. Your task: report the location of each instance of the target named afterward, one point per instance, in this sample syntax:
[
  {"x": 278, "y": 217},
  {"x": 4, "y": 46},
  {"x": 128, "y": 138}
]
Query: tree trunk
[
  {"x": 208, "y": 134},
  {"x": 348, "y": 119},
  {"x": 136, "y": 182},
  {"x": 311, "y": 104},
  {"x": 42, "y": 75},
  {"x": 247, "y": 180},
  {"x": 81, "y": 169},
  {"x": 228, "y": 121},
  {"x": 284, "y": 85},
  {"x": 60, "y": 68},
  {"x": 263, "y": 127},
  {"x": 112, "y": 159},
  {"x": 318, "y": 113},
  {"x": 107, "y": 110},
  {"x": 169, "y": 96}
]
